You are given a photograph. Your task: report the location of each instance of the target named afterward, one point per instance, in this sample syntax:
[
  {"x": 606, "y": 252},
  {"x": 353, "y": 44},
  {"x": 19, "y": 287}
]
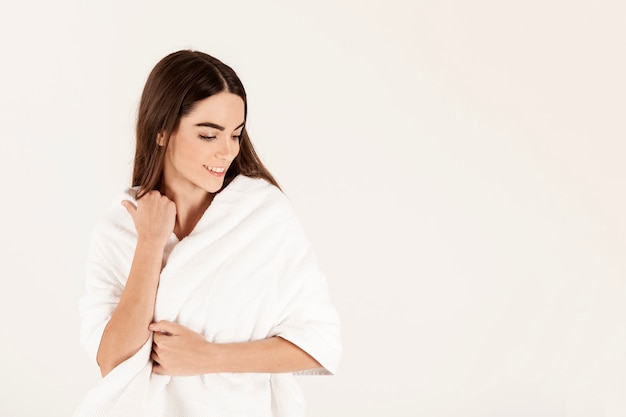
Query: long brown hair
[{"x": 174, "y": 86}]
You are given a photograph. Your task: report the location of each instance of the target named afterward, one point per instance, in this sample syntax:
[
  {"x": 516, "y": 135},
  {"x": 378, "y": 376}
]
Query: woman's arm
[
  {"x": 127, "y": 329},
  {"x": 178, "y": 350}
]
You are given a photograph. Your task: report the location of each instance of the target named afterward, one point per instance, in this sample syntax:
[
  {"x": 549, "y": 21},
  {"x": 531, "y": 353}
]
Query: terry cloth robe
[{"x": 246, "y": 272}]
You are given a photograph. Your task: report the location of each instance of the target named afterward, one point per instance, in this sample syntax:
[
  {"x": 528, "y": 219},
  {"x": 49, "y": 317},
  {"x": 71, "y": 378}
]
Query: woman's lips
[{"x": 215, "y": 171}]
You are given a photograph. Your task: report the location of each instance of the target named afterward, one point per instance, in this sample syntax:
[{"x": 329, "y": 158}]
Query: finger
[
  {"x": 154, "y": 193},
  {"x": 159, "y": 340},
  {"x": 155, "y": 357},
  {"x": 130, "y": 207},
  {"x": 157, "y": 369},
  {"x": 164, "y": 327}
]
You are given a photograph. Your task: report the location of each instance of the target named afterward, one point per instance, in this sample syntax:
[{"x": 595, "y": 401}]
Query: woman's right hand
[{"x": 154, "y": 216}]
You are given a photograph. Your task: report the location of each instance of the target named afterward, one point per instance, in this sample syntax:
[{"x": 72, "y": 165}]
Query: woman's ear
[{"x": 160, "y": 139}]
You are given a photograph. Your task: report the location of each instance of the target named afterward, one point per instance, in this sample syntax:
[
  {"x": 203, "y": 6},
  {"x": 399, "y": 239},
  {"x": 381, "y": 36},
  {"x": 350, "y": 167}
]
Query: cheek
[{"x": 192, "y": 150}]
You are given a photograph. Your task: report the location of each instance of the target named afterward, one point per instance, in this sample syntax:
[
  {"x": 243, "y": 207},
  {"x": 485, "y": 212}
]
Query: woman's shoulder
[
  {"x": 253, "y": 189},
  {"x": 115, "y": 218},
  {"x": 243, "y": 183},
  {"x": 115, "y": 207},
  {"x": 258, "y": 193}
]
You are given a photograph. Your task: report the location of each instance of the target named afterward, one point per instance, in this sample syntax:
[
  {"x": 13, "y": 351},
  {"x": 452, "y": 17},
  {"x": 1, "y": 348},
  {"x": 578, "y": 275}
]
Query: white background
[{"x": 458, "y": 166}]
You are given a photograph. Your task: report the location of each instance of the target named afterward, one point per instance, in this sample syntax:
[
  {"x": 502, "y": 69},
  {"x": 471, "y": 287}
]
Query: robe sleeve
[
  {"x": 309, "y": 320},
  {"x": 103, "y": 290}
]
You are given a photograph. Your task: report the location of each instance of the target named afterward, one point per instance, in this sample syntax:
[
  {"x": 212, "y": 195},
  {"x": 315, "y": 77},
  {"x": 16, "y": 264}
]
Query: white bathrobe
[{"x": 246, "y": 272}]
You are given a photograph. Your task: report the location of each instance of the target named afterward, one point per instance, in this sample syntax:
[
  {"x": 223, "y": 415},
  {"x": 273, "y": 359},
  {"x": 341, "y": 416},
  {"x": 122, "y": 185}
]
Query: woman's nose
[{"x": 226, "y": 149}]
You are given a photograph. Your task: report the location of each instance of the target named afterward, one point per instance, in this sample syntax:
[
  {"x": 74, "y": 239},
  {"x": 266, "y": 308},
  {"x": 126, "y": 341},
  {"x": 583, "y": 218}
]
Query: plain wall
[{"x": 457, "y": 165}]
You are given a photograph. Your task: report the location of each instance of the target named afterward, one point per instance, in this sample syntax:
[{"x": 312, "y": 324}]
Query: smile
[{"x": 217, "y": 171}]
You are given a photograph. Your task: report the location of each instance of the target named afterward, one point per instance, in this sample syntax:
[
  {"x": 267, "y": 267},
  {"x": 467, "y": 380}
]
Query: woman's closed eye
[{"x": 203, "y": 137}]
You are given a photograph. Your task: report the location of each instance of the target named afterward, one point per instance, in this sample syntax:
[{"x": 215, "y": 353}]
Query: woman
[{"x": 203, "y": 296}]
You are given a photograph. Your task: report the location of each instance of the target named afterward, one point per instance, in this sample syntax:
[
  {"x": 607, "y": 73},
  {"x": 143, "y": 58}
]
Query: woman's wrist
[
  {"x": 216, "y": 358},
  {"x": 151, "y": 244}
]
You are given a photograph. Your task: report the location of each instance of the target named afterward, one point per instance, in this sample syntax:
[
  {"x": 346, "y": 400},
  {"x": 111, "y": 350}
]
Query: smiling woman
[
  {"x": 199, "y": 153},
  {"x": 203, "y": 295},
  {"x": 205, "y": 144}
]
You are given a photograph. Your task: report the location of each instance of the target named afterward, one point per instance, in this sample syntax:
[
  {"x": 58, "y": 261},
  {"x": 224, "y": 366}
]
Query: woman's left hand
[{"x": 178, "y": 350}]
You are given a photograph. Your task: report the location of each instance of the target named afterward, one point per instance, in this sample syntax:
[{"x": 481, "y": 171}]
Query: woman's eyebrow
[{"x": 216, "y": 126}]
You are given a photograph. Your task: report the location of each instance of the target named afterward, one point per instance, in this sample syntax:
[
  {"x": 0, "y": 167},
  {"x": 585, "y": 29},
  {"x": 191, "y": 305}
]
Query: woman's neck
[{"x": 190, "y": 206}]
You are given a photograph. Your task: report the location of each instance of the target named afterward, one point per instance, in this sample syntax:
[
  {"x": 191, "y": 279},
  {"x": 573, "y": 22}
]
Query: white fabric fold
[{"x": 246, "y": 272}]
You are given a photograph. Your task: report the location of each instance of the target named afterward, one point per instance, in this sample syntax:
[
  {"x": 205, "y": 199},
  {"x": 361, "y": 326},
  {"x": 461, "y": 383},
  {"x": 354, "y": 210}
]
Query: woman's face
[{"x": 204, "y": 145}]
